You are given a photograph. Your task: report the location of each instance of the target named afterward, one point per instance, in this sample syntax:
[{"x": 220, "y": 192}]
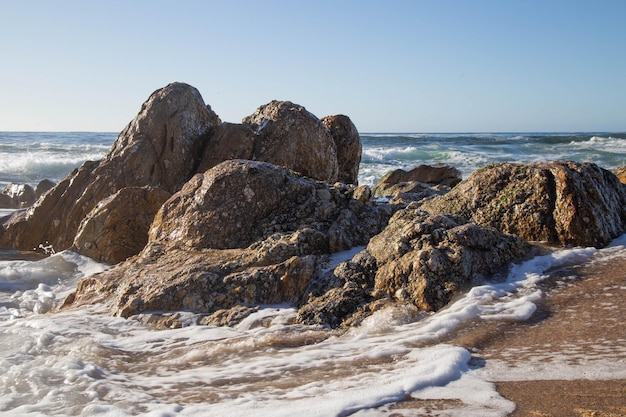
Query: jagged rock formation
[
  {"x": 419, "y": 259},
  {"x": 242, "y": 233},
  {"x": 174, "y": 136}
]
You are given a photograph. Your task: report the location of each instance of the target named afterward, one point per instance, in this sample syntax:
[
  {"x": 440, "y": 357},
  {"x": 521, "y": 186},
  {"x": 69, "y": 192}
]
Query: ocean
[{"x": 87, "y": 363}]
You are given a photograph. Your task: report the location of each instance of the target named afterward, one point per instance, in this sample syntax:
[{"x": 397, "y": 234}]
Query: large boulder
[
  {"x": 348, "y": 144},
  {"x": 239, "y": 202},
  {"x": 117, "y": 228},
  {"x": 243, "y": 233},
  {"x": 290, "y": 136},
  {"x": 160, "y": 147},
  {"x": 561, "y": 202}
]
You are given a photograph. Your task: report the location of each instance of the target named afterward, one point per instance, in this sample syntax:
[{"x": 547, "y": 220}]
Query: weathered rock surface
[
  {"x": 290, "y": 136},
  {"x": 348, "y": 144},
  {"x": 117, "y": 228},
  {"x": 158, "y": 148},
  {"x": 559, "y": 202},
  {"x": 421, "y": 259},
  {"x": 242, "y": 233},
  {"x": 421, "y": 179}
]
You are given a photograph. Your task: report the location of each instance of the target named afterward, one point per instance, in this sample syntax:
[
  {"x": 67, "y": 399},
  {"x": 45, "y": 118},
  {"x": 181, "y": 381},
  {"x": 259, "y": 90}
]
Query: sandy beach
[{"x": 554, "y": 364}]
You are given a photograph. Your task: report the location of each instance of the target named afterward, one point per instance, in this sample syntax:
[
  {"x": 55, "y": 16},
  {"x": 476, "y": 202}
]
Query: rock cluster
[
  {"x": 220, "y": 218},
  {"x": 174, "y": 136},
  {"x": 17, "y": 196},
  {"x": 243, "y": 233}
]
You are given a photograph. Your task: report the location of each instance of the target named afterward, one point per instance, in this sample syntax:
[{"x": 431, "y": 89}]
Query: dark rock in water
[
  {"x": 243, "y": 233},
  {"x": 418, "y": 180},
  {"x": 15, "y": 196},
  {"x": 290, "y": 136},
  {"x": 43, "y": 187},
  {"x": 158, "y": 148},
  {"x": 419, "y": 259},
  {"x": 348, "y": 144},
  {"x": 117, "y": 227},
  {"x": 560, "y": 202}
]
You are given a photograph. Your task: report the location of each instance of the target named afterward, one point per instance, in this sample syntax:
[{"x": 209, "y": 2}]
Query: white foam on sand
[{"x": 87, "y": 363}]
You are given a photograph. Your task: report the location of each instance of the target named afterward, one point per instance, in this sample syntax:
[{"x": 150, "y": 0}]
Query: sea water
[{"x": 86, "y": 362}]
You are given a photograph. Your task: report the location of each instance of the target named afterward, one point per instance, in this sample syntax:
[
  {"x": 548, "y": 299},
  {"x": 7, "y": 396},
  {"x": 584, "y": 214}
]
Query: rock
[
  {"x": 559, "y": 202},
  {"x": 6, "y": 201},
  {"x": 117, "y": 228},
  {"x": 43, "y": 186},
  {"x": 620, "y": 172},
  {"x": 160, "y": 147},
  {"x": 418, "y": 180},
  {"x": 243, "y": 233},
  {"x": 417, "y": 259},
  {"x": 288, "y": 135},
  {"x": 333, "y": 307},
  {"x": 228, "y": 141},
  {"x": 239, "y": 202},
  {"x": 17, "y": 196},
  {"x": 348, "y": 144},
  {"x": 428, "y": 260}
]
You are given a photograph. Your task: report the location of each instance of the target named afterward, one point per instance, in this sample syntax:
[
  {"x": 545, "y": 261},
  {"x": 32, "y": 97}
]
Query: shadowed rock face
[
  {"x": 559, "y": 202},
  {"x": 348, "y": 144},
  {"x": 117, "y": 227}
]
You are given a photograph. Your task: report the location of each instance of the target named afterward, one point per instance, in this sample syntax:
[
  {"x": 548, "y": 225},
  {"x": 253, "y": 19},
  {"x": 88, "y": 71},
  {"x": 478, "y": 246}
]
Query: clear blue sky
[{"x": 392, "y": 66}]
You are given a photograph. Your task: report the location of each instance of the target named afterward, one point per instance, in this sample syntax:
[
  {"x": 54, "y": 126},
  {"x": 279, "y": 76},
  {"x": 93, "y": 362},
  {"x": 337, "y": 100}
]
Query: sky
[{"x": 391, "y": 66}]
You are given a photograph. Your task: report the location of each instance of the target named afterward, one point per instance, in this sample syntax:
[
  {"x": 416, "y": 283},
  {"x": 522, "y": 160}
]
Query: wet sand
[{"x": 578, "y": 327}]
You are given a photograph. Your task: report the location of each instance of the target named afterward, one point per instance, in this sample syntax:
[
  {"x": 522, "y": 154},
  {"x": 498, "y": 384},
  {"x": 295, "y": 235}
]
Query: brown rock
[
  {"x": 159, "y": 148},
  {"x": 427, "y": 260},
  {"x": 243, "y": 233},
  {"x": 418, "y": 180},
  {"x": 117, "y": 227},
  {"x": 348, "y": 144},
  {"x": 559, "y": 202},
  {"x": 239, "y": 202},
  {"x": 417, "y": 259},
  {"x": 228, "y": 141},
  {"x": 290, "y": 136},
  {"x": 43, "y": 186}
]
